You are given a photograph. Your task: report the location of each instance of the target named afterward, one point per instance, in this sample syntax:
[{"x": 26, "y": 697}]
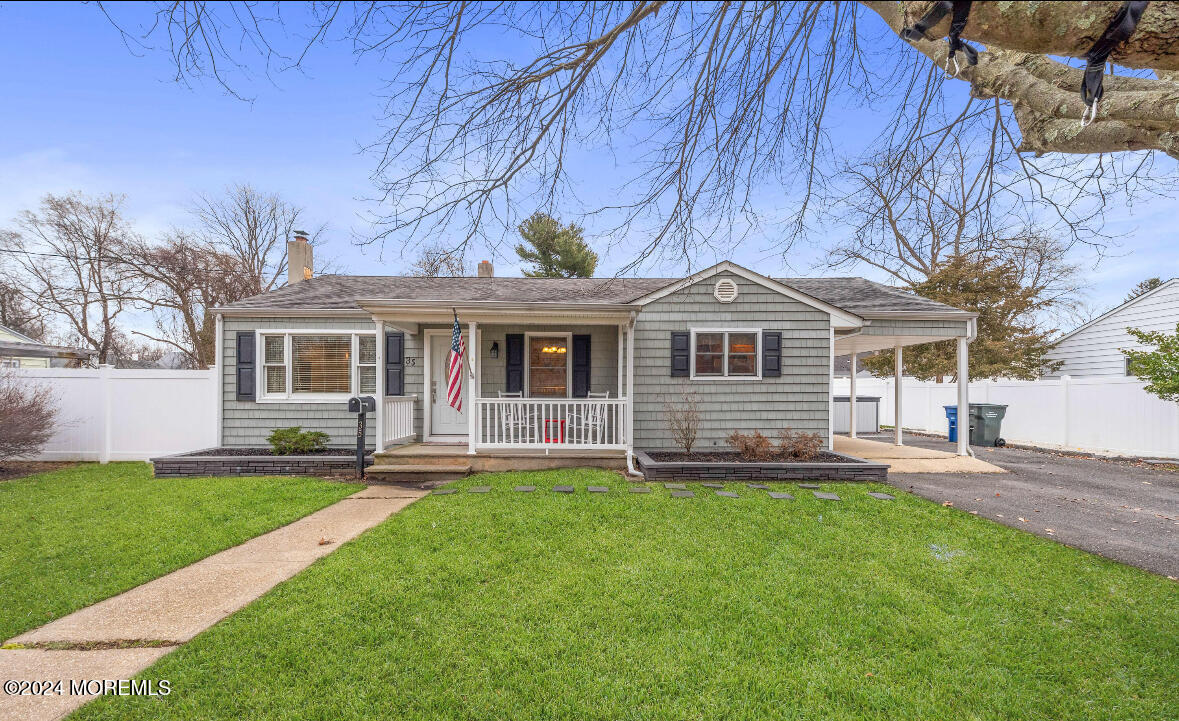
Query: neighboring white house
[{"x": 1094, "y": 349}]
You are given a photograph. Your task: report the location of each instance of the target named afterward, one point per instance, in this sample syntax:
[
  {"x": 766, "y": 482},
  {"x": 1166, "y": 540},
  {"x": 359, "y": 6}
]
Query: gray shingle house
[{"x": 581, "y": 367}]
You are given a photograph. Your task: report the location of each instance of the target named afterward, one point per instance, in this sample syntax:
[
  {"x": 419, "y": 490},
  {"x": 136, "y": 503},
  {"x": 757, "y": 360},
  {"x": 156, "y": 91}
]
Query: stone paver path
[
  {"x": 882, "y": 496},
  {"x": 524, "y": 489},
  {"x": 826, "y": 496},
  {"x": 174, "y": 608},
  {"x": 682, "y": 494},
  {"x": 781, "y": 496}
]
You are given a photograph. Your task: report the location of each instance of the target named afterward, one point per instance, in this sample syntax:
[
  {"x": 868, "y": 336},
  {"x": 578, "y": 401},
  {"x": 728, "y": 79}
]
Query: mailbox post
[{"x": 360, "y": 405}]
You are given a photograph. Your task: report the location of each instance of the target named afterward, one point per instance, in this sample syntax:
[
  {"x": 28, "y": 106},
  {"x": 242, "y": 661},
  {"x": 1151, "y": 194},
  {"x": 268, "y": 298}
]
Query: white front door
[{"x": 444, "y": 420}]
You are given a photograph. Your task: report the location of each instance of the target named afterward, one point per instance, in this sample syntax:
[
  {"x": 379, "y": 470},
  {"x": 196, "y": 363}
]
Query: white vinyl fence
[
  {"x": 128, "y": 415},
  {"x": 1108, "y": 415}
]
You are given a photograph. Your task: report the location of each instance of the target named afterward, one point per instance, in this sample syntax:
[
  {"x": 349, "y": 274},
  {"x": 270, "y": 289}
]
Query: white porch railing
[
  {"x": 539, "y": 423},
  {"x": 397, "y": 419}
]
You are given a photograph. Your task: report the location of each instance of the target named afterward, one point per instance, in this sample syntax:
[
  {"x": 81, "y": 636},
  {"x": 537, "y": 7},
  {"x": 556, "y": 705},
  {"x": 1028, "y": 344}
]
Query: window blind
[{"x": 321, "y": 363}]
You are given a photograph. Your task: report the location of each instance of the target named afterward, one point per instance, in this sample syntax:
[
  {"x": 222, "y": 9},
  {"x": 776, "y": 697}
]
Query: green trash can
[{"x": 986, "y": 420}]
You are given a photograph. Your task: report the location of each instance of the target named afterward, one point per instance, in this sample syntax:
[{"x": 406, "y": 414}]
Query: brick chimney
[
  {"x": 486, "y": 270},
  {"x": 299, "y": 258}
]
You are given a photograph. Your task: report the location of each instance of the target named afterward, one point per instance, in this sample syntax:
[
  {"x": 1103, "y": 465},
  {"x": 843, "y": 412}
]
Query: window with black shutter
[
  {"x": 514, "y": 363},
  {"x": 581, "y": 366},
  {"x": 394, "y": 364},
  {"x": 246, "y": 364},
  {"x": 771, "y": 354}
]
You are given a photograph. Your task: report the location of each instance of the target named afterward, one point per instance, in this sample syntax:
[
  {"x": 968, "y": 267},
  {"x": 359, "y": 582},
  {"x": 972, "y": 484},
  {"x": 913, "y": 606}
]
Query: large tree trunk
[{"x": 1135, "y": 114}]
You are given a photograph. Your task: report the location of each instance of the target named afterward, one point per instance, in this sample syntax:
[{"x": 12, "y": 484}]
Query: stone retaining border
[
  {"x": 186, "y": 465},
  {"x": 855, "y": 469}
]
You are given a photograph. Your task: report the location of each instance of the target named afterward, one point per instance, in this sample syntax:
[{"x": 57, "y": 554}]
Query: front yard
[
  {"x": 627, "y": 606},
  {"x": 76, "y": 536}
]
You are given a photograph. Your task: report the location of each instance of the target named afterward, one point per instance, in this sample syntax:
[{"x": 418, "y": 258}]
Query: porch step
[
  {"x": 418, "y": 472},
  {"x": 421, "y": 459}
]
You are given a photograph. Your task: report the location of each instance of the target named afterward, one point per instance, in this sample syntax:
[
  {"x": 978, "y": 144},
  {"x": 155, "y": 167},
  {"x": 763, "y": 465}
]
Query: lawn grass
[
  {"x": 73, "y": 537},
  {"x": 624, "y": 606}
]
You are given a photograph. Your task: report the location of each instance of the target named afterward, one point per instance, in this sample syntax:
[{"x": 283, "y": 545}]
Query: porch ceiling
[{"x": 867, "y": 343}]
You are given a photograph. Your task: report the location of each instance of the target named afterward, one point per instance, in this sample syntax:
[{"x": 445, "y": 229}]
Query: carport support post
[
  {"x": 963, "y": 397},
  {"x": 851, "y": 407},
  {"x": 897, "y": 373}
]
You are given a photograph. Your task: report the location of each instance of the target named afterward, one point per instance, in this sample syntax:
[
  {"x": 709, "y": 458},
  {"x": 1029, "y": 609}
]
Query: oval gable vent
[{"x": 725, "y": 290}]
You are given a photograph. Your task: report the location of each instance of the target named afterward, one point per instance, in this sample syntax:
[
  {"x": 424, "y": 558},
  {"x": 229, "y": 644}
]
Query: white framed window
[
  {"x": 726, "y": 353},
  {"x": 548, "y": 371},
  {"x": 316, "y": 365}
]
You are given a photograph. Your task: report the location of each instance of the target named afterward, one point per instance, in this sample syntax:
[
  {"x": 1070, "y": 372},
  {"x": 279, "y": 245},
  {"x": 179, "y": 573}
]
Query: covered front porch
[{"x": 536, "y": 382}]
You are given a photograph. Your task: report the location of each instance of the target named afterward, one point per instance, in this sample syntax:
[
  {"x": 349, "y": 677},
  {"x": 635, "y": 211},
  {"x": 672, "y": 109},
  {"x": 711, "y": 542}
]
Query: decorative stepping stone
[
  {"x": 809, "y": 486},
  {"x": 713, "y": 485},
  {"x": 524, "y": 489},
  {"x": 758, "y": 486},
  {"x": 443, "y": 491},
  {"x": 781, "y": 496},
  {"x": 597, "y": 489},
  {"x": 674, "y": 486},
  {"x": 682, "y": 494},
  {"x": 640, "y": 489},
  {"x": 562, "y": 489},
  {"x": 727, "y": 494},
  {"x": 826, "y": 496},
  {"x": 882, "y": 496},
  {"x": 479, "y": 489}
]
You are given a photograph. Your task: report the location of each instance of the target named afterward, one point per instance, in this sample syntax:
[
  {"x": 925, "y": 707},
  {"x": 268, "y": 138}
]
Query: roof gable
[
  {"x": 839, "y": 316},
  {"x": 1112, "y": 311}
]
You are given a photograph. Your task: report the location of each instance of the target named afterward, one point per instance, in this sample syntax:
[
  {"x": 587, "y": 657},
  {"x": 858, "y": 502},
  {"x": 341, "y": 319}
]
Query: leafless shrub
[
  {"x": 753, "y": 446},
  {"x": 28, "y": 417},
  {"x": 683, "y": 419},
  {"x": 800, "y": 445}
]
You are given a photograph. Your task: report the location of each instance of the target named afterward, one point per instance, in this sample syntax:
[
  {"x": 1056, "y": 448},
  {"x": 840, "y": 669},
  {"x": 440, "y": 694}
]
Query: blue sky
[{"x": 84, "y": 113}]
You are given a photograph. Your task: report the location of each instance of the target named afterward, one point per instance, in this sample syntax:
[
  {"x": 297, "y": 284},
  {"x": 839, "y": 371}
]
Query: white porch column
[
  {"x": 851, "y": 408},
  {"x": 898, "y": 373},
  {"x": 473, "y": 379},
  {"x": 831, "y": 388},
  {"x": 618, "y": 368},
  {"x": 379, "y": 418},
  {"x": 963, "y": 397}
]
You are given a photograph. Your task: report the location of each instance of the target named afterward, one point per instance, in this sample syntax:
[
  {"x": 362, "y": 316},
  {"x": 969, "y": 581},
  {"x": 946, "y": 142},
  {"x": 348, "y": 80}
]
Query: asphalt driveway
[{"x": 1124, "y": 510}]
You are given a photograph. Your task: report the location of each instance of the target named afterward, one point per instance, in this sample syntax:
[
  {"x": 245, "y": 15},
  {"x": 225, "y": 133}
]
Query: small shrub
[
  {"x": 28, "y": 415},
  {"x": 683, "y": 420},
  {"x": 796, "y": 444},
  {"x": 295, "y": 440},
  {"x": 752, "y": 447}
]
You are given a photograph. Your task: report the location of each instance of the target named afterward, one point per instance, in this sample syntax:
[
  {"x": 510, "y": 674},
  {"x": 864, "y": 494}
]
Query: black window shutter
[
  {"x": 581, "y": 366},
  {"x": 246, "y": 364},
  {"x": 394, "y": 364},
  {"x": 514, "y": 367},
  {"x": 679, "y": 354},
  {"x": 771, "y": 354}
]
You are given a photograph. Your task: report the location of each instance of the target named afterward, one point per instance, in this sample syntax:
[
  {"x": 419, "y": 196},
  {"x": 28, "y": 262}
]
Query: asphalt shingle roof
[{"x": 341, "y": 292}]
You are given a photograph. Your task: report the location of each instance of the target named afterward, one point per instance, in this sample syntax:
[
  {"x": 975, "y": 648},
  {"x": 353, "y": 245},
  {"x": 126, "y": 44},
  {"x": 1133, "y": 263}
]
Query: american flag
[{"x": 454, "y": 391}]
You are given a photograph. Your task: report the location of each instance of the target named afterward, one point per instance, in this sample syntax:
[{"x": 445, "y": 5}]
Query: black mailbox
[{"x": 362, "y": 404}]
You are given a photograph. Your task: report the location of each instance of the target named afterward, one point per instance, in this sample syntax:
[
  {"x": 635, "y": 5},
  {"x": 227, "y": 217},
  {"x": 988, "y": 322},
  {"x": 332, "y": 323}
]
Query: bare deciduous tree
[
  {"x": 15, "y": 310},
  {"x": 710, "y": 102},
  {"x": 67, "y": 253},
  {"x": 28, "y": 414},
  {"x": 183, "y": 278},
  {"x": 436, "y": 261},
  {"x": 253, "y": 227}
]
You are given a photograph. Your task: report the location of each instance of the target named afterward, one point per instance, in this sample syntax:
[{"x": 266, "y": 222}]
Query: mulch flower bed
[
  {"x": 267, "y": 452},
  {"x": 733, "y": 457}
]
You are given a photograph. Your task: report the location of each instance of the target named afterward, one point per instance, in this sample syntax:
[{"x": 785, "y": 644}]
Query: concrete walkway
[
  {"x": 911, "y": 459},
  {"x": 130, "y": 628}
]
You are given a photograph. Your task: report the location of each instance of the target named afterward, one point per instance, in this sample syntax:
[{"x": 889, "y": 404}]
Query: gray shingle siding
[
  {"x": 247, "y": 424},
  {"x": 798, "y": 399}
]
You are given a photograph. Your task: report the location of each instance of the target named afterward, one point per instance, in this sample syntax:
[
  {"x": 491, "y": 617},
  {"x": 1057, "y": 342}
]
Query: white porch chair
[
  {"x": 590, "y": 420},
  {"x": 513, "y": 418}
]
